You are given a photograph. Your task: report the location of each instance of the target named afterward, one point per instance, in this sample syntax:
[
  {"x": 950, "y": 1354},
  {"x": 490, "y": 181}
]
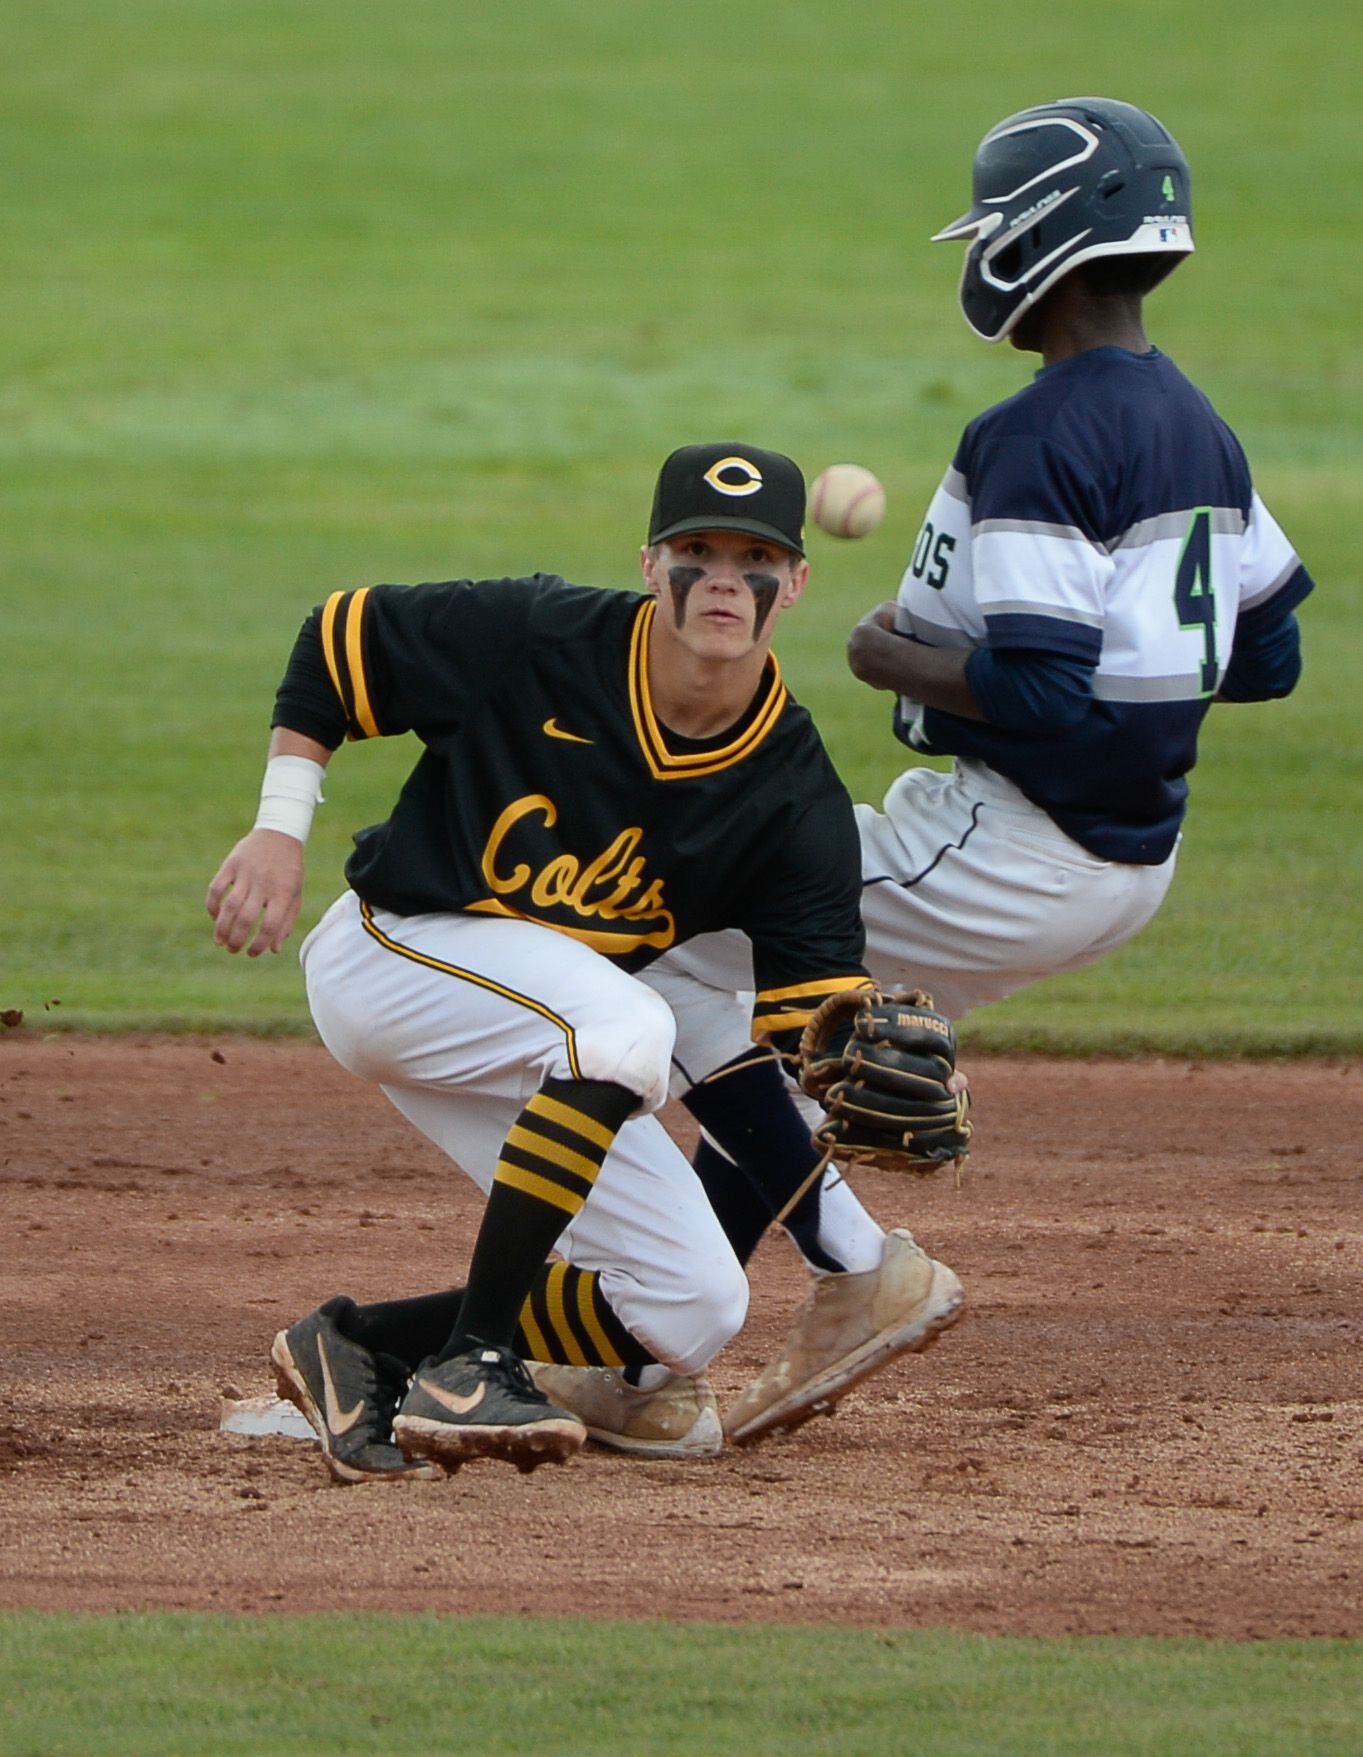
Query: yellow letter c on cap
[{"x": 752, "y": 477}]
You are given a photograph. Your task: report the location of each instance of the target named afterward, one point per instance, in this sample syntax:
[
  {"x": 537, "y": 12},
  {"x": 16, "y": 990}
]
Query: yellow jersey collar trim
[{"x": 666, "y": 765}]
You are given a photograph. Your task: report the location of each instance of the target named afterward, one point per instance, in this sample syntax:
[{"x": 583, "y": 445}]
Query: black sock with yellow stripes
[
  {"x": 567, "y": 1319},
  {"x": 548, "y": 1165}
]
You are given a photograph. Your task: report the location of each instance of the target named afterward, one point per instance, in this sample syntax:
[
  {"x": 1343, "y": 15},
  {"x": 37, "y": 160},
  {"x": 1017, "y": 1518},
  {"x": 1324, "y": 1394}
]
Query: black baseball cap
[{"x": 730, "y": 487}]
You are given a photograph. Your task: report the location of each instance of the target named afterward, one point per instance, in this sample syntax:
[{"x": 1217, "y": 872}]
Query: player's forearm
[
  {"x": 934, "y": 676},
  {"x": 283, "y": 742},
  {"x": 1023, "y": 691}
]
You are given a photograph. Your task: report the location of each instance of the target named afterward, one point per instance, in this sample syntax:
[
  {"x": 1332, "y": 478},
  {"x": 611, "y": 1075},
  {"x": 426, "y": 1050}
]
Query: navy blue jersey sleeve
[
  {"x": 1029, "y": 692},
  {"x": 1270, "y": 568},
  {"x": 1265, "y": 660}
]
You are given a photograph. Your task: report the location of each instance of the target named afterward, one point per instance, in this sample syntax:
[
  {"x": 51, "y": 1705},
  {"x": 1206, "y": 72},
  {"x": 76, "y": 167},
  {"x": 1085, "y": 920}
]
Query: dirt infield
[{"x": 1151, "y": 1422}]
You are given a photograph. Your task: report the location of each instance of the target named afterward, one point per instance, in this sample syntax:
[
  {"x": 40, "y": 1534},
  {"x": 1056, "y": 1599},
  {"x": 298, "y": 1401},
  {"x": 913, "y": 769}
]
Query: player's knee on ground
[
  {"x": 683, "y": 1319},
  {"x": 626, "y": 1039}
]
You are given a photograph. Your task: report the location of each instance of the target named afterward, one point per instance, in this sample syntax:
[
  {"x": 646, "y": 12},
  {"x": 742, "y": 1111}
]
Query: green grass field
[
  {"x": 184, "y": 1685},
  {"x": 304, "y": 295},
  {"x": 296, "y": 298}
]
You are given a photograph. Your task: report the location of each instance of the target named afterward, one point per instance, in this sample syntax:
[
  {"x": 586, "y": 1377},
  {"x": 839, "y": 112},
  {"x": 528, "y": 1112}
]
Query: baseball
[{"x": 847, "y": 501}]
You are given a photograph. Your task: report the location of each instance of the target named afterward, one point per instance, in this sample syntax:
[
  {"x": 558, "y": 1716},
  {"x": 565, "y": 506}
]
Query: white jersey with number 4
[{"x": 1104, "y": 514}]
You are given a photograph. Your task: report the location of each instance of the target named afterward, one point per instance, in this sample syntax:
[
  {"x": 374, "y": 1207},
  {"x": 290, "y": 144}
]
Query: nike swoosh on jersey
[
  {"x": 452, "y": 1401},
  {"x": 339, "y": 1421},
  {"x": 552, "y": 727}
]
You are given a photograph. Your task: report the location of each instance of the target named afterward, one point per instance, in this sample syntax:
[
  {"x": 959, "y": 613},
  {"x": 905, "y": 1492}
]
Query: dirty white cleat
[
  {"x": 849, "y": 1326},
  {"x": 678, "y": 1419}
]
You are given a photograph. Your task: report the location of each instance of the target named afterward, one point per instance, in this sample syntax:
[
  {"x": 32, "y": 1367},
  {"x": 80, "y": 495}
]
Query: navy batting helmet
[{"x": 1059, "y": 185}]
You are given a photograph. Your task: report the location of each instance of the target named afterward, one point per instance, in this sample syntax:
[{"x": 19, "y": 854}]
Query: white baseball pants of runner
[
  {"x": 969, "y": 891},
  {"x": 459, "y": 1019}
]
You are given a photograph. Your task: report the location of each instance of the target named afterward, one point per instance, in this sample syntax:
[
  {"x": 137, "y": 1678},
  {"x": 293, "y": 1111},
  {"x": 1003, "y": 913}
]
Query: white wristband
[{"x": 289, "y": 795}]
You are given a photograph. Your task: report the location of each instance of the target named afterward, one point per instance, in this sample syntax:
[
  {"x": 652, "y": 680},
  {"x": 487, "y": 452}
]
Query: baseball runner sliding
[{"x": 1095, "y": 570}]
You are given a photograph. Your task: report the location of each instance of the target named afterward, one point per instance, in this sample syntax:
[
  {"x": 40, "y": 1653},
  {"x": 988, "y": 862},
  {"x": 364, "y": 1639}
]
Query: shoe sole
[
  {"x": 526, "y": 1446},
  {"x": 704, "y": 1440},
  {"x": 293, "y": 1387},
  {"x": 945, "y": 1304}
]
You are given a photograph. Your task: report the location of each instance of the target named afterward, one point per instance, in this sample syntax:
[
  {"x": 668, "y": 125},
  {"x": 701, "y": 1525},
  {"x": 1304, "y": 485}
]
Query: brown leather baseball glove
[{"x": 879, "y": 1064}]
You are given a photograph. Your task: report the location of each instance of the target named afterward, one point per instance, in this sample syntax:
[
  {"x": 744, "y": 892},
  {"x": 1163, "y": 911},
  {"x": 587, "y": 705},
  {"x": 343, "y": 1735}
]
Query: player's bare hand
[
  {"x": 257, "y": 890},
  {"x": 957, "y": 1082},
  {"x": 873, "y": 646},
  {"x": 884, "y": 616}
]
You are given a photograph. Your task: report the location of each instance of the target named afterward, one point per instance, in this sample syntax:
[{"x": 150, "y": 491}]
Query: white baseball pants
[
  {"x": 459, "y": 1019},
  {"x": 969, "y": 891}
]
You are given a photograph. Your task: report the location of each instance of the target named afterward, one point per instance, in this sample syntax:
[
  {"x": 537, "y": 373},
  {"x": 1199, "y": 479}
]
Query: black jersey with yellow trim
[{"x": 550, "y": 791}]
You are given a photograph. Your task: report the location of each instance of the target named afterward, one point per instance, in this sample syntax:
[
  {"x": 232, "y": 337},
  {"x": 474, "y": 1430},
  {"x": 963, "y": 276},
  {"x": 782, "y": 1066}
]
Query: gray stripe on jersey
[
  {"x": 1266, "y": 592},
  {"x": 1033, "y": 607},
  {"x": 1226, "y": 521},
  {"x": 1028, "y": 528},
  {"x": 954, "y": 484},
  {"x": 935, "y": 634},
  {"x": 1148, "y": 689}
]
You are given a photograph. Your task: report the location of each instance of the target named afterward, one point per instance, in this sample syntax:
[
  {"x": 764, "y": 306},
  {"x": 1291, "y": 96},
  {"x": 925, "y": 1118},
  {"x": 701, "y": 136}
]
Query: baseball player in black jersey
[{"x": 604, "y": 775}]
